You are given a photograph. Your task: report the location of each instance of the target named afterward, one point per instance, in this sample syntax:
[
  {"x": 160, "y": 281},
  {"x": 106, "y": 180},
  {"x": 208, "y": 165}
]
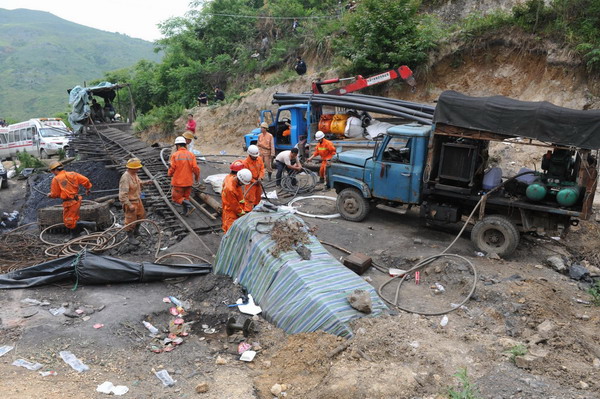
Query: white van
[{"x": 42, "y": 137}]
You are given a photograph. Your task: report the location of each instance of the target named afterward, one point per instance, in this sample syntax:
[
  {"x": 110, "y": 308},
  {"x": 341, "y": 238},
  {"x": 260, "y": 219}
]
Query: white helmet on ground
[
  {"x": 319, "y": 135},
  {"x": 244, "y": 176},
  {"x": 253, "y": 151},
  {"x": 180, "y": 140}
]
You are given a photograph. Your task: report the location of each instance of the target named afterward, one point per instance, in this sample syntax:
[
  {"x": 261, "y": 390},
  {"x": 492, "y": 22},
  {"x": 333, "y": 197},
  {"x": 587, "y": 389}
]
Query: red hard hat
[{"x": 236, "y": 166}]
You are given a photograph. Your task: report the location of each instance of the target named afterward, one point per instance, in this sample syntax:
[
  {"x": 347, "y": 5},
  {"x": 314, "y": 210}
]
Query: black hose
[
  {"x": 381, "y": 110},
  {"x": 358, "y": 101}
]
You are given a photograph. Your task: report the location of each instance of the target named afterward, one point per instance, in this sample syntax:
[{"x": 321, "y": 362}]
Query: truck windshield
[{"x": 53, "y": 132}]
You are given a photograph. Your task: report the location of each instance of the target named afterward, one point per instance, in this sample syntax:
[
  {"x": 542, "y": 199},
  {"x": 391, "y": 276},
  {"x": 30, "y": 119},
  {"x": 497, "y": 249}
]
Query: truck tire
[
  {"x": 352, "y": 205},
  {"x": 495, "y": 234}
]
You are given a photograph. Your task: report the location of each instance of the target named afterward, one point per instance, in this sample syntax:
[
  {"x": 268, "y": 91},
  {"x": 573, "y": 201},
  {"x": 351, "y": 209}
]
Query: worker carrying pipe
[
  {"x": 232, "y": 197},
  {"x": 256, "y": 166},
  {"x": 326, "y": 150},
  {"x": 183, "y": 171},
  {"x": 65, "y": 185},
  {"x": 130, "y": 196}
]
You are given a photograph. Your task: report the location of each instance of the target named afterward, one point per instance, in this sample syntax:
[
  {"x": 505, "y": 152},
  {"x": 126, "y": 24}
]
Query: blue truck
[{"x": 445, "y": 170}]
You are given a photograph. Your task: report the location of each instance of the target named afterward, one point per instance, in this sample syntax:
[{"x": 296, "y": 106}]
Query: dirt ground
[
  {"x": 526, "y": 332},
  {"x": 518, "y": 301}
]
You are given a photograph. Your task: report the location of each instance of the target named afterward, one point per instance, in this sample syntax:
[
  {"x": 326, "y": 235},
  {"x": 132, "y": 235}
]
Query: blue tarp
[{"x": 296, "y": 295}]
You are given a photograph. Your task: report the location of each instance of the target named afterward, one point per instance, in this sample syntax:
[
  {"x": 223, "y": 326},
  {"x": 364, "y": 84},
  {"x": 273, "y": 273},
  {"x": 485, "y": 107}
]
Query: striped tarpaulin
[{"x": 296, "y": 295}]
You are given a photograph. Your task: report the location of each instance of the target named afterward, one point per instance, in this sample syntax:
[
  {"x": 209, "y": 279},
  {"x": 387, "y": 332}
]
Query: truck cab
[
  {"x": 391, "y": 174},
  {"x": 289, "y": 127}
]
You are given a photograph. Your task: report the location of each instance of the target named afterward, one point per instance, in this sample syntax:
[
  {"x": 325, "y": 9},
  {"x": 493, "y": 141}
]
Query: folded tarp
[
  {"x": 296, "y": 295},
  {"x": 89, "y": 268},
  {"x": 536, "y": 120}
]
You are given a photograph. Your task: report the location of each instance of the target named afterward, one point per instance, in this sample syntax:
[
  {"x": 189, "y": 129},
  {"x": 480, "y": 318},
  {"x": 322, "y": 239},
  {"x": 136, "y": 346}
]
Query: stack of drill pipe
[{"x": 421, "y": 113}]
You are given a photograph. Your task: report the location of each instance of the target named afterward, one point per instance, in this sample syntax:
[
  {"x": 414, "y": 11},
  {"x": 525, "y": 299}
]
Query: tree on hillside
[{"x": 384, "y": 34}]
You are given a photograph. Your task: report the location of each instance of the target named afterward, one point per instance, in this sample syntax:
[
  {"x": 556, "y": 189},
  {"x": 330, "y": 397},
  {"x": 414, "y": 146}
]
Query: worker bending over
[
  {"x": 266, "y": 147},
  {"x": 184, "y": 171},
  {"x": 287, "y": 160},
  {"x": 130, "y": 196},
  {"x": 65, "y": 185},
  {"x": 232, "y": 197},
  {"x": 255, "y": 165},
  {"x": 326, "y": 150},
  {"x": 190, "y": 139}
]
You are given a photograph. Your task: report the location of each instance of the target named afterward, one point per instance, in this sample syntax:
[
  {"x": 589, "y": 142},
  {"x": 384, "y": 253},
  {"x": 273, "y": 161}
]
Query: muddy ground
[{"x": 520, "y": 306}]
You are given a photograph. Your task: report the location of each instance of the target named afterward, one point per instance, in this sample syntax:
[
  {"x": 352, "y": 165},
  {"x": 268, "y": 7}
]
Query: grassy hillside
[{"x": 41, "y": 56}]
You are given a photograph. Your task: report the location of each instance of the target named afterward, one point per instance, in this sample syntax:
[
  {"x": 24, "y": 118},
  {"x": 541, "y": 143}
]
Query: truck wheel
[
  {"x": 43, "y": 154},
  {"x": 495, "y": 234},
  {"x": 352, "y": 205},
  {"x": 3, "y": 183}
]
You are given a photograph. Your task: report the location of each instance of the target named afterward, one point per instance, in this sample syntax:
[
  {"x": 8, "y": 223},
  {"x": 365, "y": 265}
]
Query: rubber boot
[
  {"x": 131, "y": 238},
  {"x": 188, "y": 208},
  {"x": 136, "y": 230},
  {"x": 270, "y": 174},
  {"x": 184, "y": 208},
  {"x": 74, "y": 233},
  {"x": 322, "y": 180}
]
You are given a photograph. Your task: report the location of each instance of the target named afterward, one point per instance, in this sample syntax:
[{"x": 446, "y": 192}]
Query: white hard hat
[
  {"x": 253, "y": 151},
  {"x": 180, "y": 140},
  {"x": 319, "y": 135},
  {"x": 244, "y": 176}
]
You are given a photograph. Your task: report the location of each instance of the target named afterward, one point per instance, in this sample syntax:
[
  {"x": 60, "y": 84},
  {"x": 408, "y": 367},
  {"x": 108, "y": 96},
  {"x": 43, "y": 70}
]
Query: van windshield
[{"x": 53, "y": 132}]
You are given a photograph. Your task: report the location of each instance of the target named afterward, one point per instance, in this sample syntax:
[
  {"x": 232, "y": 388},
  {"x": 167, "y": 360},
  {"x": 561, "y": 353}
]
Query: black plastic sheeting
[
  {"x": 90, "y": 268},
  {"x": 536, "y": 120}
]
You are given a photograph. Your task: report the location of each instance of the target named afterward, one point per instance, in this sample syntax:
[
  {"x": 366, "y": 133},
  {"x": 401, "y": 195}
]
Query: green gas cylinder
[
  {"x": 567, "y": 196},
  {"x": 536, "y": 191}
]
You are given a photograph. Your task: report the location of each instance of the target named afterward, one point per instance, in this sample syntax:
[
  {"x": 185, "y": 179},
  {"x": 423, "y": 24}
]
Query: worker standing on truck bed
[
  {"x": 255, "y": 165},
  {"x": 65, "y": 185},
  {"x": 266, "y": 147},
  {"x": 287, "y": 160},
  {"x": 326, "y": 150},
  {"x": 184, "y": 171},
  {"x": 232, "y": 197},
  {"x": 130, "y": 197}
]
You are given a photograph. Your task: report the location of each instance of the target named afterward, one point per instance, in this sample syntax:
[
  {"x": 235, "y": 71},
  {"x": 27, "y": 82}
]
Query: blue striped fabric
[{"x": 296, "y": 295}]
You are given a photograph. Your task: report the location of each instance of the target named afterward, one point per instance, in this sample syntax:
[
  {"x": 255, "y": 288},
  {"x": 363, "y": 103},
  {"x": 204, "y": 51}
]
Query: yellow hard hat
[
  {"x": 188, "y": 135},
  {"x": 134, "y": 163},
  {"x": 55, "y": 165}
]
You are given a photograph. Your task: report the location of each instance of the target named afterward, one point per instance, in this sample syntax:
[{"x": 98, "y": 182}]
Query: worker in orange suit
[
  {"x": 184, "y": 171},
  {"x": 256, "y": 166},
  {"x": 235, "y": 167},
  {"x": 232, "y": 197},
  {"x": 326, "y": 150},
  {"x": 65, "y": 185}
]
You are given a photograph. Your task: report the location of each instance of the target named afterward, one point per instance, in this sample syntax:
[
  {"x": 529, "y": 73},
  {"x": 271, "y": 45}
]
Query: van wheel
[
  {"x": 352, "y": 205},
  {"x": 43, "y": 154},
  {"x": 3, "y": 183},
  {"x": 495, "y": 234}
]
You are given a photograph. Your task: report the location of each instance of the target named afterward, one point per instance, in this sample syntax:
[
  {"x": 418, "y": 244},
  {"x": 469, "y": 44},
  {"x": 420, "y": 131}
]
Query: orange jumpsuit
[
  {"x": 326, "y": 150},
  {"x": 183, "y": 171},
  {"x": 130, "y": 189},
  {"x": 232, "y": 197},
  {"x": 65, "y": 185},
  {"x": 253, "y": 195},
  {"x": 266, "y": 148}
]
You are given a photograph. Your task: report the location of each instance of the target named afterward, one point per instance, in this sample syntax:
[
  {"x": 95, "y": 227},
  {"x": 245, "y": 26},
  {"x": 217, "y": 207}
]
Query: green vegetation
[
  {"x": 41, "y": 56},
  {"x": 28, "y": 161},
  {"x": 233, "y": 44},
  {"x": 517, "y": 350},
  {"x": 594, "y": 291},
  {"x": 466, "y": 390}
]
